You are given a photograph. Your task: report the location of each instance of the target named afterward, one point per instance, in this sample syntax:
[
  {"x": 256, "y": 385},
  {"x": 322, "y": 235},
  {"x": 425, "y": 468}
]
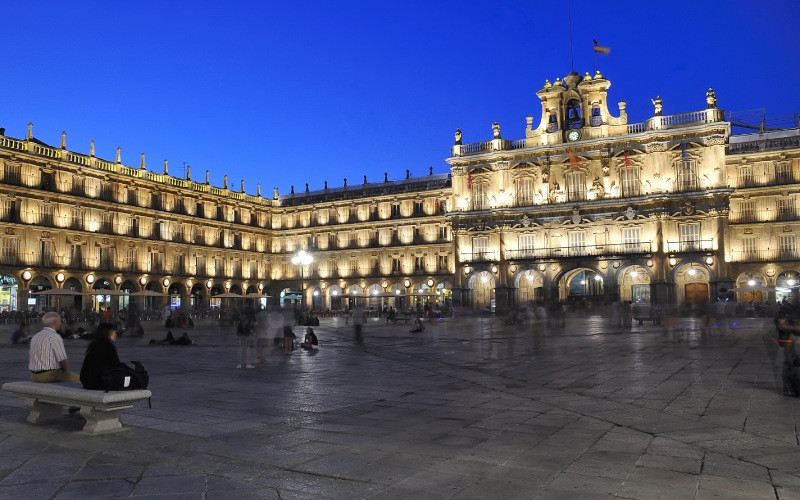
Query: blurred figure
[
  {"x": 20, "y": 335},
  {"x": 310, "y": 339}
]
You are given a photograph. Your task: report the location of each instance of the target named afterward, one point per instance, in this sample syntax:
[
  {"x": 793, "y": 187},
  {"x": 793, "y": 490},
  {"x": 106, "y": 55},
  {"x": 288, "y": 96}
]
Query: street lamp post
[{"x": 302, "y": 259}]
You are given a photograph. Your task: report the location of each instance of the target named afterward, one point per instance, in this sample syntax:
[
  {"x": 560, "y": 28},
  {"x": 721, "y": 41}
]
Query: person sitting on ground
[
  {"x": 418, "y": 326},
  {"x": 47, "y": 358},
  {"x": 184, "y": 340},
  {"x": 20, "y": 335},
  {"x": 169, "y": 340},
  {"x": 135, "y": 328},
  {"x": 101, "y": 354},
  {"x": 310, "y": 339}
]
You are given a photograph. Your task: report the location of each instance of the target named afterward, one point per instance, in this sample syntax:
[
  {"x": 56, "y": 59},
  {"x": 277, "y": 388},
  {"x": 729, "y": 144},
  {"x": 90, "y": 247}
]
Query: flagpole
[{"x": 571, "y": 52}]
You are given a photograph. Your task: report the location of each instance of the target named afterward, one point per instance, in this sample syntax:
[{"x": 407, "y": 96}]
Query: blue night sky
[{"x": 283, "y": 93}]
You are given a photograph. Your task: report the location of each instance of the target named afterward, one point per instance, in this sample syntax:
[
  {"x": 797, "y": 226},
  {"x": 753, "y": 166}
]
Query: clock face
[{"x": 573, "y": 135}]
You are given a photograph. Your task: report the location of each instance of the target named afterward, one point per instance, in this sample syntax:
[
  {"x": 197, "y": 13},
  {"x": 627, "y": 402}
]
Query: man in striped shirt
[{"x": 48, "y": 359}]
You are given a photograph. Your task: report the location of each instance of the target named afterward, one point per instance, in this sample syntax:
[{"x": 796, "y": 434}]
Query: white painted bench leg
[
  {"x": 98, "y": 422},
  {"x": 41, "y": 413}
]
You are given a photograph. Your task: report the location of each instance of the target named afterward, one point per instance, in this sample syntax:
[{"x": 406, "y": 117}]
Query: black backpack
[{"x": 125, "y": 378}]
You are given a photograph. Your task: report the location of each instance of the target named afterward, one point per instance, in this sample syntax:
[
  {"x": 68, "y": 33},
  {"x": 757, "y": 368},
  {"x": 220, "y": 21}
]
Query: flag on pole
[
  {"x": 627, "y": 161},
  {"x": 573, "y": 160},
  {"x": 601, "y": 49},
  {"x": 469, "y": 181}
]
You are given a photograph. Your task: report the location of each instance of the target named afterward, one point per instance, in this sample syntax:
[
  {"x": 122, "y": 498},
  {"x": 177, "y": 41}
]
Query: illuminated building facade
[{"x": 585, "y": 206}]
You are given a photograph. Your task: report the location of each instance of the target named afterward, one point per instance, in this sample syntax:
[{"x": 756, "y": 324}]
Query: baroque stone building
[{"x": 586, "y": 206}]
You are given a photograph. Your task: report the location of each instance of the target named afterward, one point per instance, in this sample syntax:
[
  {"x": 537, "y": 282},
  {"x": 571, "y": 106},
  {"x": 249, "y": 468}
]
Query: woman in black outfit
[{"x": 100, "y": 354}]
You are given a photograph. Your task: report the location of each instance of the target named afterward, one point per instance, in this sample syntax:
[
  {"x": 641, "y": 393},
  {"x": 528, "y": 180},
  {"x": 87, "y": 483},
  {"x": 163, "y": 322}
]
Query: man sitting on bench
[{"x": 47, "y": 358}]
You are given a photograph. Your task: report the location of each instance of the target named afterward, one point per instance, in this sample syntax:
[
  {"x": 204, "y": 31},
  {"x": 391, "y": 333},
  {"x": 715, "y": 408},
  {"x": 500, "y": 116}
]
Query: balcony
[
  {"x": 483, "y": 256},
  {"x": 782, "y": 214},
  {"x": 643, "y": 247},
  {"x": 690, "y": 246},
  {"x": 768, "y": 179},
  {"x": 11, "y": 258},
  {"x": 764, "y": 255}
]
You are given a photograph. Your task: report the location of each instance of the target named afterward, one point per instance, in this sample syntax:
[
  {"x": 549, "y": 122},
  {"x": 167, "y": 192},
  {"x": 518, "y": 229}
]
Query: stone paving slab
[{"x": 467, "y": 409}]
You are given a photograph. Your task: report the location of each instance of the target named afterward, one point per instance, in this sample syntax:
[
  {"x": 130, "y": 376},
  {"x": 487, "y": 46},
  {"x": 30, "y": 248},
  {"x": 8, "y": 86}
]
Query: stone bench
[{"x": 102, "y": 410}]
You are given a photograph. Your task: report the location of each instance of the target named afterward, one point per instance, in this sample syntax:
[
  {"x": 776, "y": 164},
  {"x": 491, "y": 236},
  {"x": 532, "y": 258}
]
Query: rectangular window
[
  {"x": 689, "y": 237},
  {"x": 480, "y": 198},
  {"x": 46, "y": 215},
  {"x": 419, "y": 264},
  {"x": 783, "y": 173},
  {"x": 396, "y": 265},
  {"x": 577, "y": 243},
  {"x": 745, "y": 176},
  {"x": 130, "y": 259},
  {"x": 526, "y": 243},
  {"x": 106, "y": 222},
  {"x": 630, "y": 182},
  {"x": 786, "y": 210},
  {"x": 155, "y": 262},
  {"x": 219, "y": 267},
  {"x": 444, "y": 233},
  {"x": 177, "y": 264},
  {"x": 631, "y": 239},
  {"x": 419, "y": 208},
  {"x": 200, "y": 265},
  {"x": 9, "y": 250},
  {"x": 687, "y": 176},
  {"x": 75, "y": 257},
  {"x": 443, "y": 263},
  {"x": 106, "y": 258},
  {"x": 576, "y": 186},
  {"x": 788, "y": 246},
  {"x": 480, "y": 248},
  {"x": 749, "y": 248},
  {"x": 525, "y": 191},
  {"x": 747, "y": 211},
  {"x": 396, "y": 210}
]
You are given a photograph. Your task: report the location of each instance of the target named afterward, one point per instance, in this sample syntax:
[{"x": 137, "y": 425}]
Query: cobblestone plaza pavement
[{"x": 467, "y": 409}]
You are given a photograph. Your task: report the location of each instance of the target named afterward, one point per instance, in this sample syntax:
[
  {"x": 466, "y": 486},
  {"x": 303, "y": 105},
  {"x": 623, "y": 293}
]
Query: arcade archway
[
  {"x": 482, "y": 284},
  {"x": 582, "y": 284},
  {"x": 692, "y": 283},
  {"x": 530, "y": 286},
  {"x": 634, "y": 284},
  {"x": 8, "y": 293}
]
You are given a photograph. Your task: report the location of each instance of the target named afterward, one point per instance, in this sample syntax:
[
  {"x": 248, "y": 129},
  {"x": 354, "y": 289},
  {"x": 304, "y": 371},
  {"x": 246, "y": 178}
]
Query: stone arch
[
  {"x": 335, "y": 297},
  {"x": 9, "y": 287},
  {"x": 197, "y": 296},
  {"x": 692, "y": 279},
  {"x": 482, "y": 286},
  {"x": 634, "y": 281},
  {"x": 581, "y": 283},
  {"x": 529, "y": 284},
  {"x": 236, "y": 288},
  {"x": 784, "y": 281},
  {"x": 755, "y": 281}
]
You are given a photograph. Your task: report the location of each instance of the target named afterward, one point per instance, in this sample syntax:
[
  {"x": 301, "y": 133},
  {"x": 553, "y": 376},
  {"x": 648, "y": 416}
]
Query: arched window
[
  {"x": 596, "y": 119},
  {"x": 574, "y": 119}
]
